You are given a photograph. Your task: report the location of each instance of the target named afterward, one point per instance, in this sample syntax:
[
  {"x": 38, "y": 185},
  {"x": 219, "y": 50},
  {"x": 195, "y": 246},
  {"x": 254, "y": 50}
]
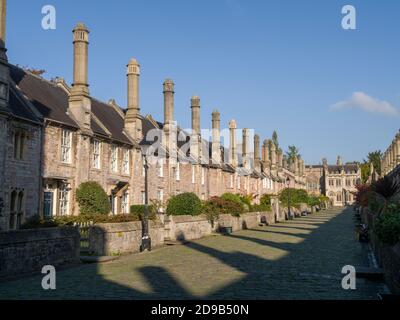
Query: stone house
[
  {"x": 20, "y": 148},
  {"x": 74, "y": 138},
  {"x": 338, "y": 182}
]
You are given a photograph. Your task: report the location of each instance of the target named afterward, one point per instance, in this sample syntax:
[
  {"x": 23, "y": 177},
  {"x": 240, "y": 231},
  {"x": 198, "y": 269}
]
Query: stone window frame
[
  {"x": 66, "y": 146},
  {"x": 114, "y": 158},
  {"x": 64, "y": 199},
  {"x": 160, "y": 195},
  {"x": 17, "y": 209},
  {"x": 97, "y": 147},
  {"x": 19, "y": 144},
  {"x": 160, "y": 168},
  {"x": 178, "y": 172},
  {"x": 126, "y": 162},
  {"x": 203, "y": 176},
  {"x": 125, "y": 202},
  {"x": 4, "y": 91},
  {"x": 238, "y": 182},
  {"x": 193, "y": 174}
]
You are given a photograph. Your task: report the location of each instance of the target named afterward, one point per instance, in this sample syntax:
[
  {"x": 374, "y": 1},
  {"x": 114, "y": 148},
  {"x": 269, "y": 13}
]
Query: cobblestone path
[{"x": 301, "y": 259}]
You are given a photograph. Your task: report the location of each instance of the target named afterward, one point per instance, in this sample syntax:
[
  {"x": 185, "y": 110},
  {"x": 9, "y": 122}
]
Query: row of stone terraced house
[{"x": 54, "y": 137}]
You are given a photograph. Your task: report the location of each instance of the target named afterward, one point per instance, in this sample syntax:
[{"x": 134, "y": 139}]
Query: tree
[
  {"x": 275, "y": 139},
  {"x": 292, "y": 153},
  {"x": 375, "y": 158},
  {"x": 365, "y": 171}
]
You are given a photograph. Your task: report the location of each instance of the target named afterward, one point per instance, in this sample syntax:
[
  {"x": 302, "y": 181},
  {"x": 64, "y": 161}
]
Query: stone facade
[
  {"x": 338, "y": 182},
  {"x": 78, "y": 138}
]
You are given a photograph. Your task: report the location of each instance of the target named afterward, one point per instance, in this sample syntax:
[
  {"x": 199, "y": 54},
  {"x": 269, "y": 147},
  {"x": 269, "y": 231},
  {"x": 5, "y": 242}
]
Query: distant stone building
[
  {"x": 338, "y": 182},
  {"x": 70, "y": 137}
]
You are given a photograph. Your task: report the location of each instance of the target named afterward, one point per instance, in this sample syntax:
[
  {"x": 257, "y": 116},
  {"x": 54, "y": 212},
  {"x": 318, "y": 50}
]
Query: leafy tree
[
  {"x": 365, "y": 171},
  {"x": 375, "y": 158},
  {"x": 292, "y": 153},
  {"x": 92, "y": 199},
  {"x": 275, "y": 139}
]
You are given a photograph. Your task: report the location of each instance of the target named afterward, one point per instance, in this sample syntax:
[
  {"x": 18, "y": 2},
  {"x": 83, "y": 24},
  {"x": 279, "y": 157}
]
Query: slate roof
[
  {"x": 52, "y": 103},
  {"x": 349, "y": 167}
]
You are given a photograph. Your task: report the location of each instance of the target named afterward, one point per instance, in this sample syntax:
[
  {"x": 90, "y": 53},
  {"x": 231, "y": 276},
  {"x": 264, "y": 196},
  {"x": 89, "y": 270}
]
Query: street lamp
[
  {"x": 288, "y": 189},
  {"x": 146, "y": 240}
]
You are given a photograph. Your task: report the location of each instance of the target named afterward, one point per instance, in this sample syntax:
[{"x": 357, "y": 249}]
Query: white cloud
[{"x": 362, "y": 101}]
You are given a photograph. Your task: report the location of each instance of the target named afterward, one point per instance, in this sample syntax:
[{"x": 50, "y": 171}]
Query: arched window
[
  {"x": 20, "y": 210},
  {"x": 339, "y": 197},
  {"x": 13, "y": 209}
]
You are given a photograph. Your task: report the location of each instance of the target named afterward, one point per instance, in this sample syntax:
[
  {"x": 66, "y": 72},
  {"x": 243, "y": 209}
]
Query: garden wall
[
  {"x": 388, "y": 256},
  {"x": 122, "y": 238},
  {"x": 28, "y": 251},
  {"x": 180, "y": 228}
]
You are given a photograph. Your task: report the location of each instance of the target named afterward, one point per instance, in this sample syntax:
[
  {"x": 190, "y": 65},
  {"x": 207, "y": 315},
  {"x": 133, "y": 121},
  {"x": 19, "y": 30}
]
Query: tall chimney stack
[
  {"x": 133, "y": 123},
  {"x": 3, "y": 16},
  {"x": 169, "y": 123},
  {"x": 216, "y": 137},
  {"x": 273, "y": 156},
  {"x": 233, "y": 160},
  {"x": 245, "y": 149},
  {"x": 266, "y": 153},
  {"x": 79, "y": 101},
  {"x": 257, "y": 156},
  {"x": 196, "y": 133}
]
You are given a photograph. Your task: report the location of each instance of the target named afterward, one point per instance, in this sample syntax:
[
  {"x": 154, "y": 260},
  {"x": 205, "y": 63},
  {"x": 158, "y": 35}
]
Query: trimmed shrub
[
  {"x": 92, "y": 199},
  {"x": 265, "y": 202},
  {"x": 184, "y": 204},
  {"x": 387, "y": 228},
  {"x": 314, "y": 201},
  {"x": 226, "y": 206}
]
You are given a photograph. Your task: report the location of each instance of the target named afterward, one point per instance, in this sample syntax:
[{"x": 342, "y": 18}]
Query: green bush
[
  {"x": 387, "y": 228},
  {"x": 297, "y": 196},
  {"x": 226, "y": 206},
  {"x": 244, "y": 202},
  {"x": 139, "y": 211},
  {"x": 314, "y": 201},
  {"x": 265, "y": 202},
  {"x": 92, "y": 199},
  {"x": 184, "y": 204},
  {"x": 210, "y": 211}
]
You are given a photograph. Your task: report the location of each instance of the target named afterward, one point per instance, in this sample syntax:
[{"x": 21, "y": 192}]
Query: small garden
[
  {"x": 298, "y": 197},
  {"x": 382, "y": 198}
]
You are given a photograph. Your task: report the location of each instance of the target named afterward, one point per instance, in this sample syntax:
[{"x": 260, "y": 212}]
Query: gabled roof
[
  {"x": 52, "y": 103},
  {"x": 20, "y": 108}
]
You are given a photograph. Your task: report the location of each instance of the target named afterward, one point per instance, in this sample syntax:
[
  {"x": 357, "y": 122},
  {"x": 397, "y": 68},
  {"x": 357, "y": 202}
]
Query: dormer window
[{"x": 3, "y": 91}]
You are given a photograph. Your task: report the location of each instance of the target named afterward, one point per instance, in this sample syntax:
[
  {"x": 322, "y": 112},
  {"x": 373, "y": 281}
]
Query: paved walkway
[{"x": 301, "y": 259}]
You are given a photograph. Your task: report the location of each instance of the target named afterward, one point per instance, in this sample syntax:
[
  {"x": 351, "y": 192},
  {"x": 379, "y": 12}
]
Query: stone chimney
[
  {"x": 79, "y": 101},
  {"x": 280, "y": 159},
  {"x": 274, "y": 160},
  {"x": 233, "y": 160},
  {"x": 195, "y": 147},
  {"x": 245, "y": 149},
  {"x": 339, "y": 161},
  {"x": 257, "y": 156},
  {"x": 4, "y": 69},
  {"x": 3, "y": 17},
  {"x": 133, "y": 123},
  {"x": 170, "y": 127},
  {"x": 325, "y": 162},
  {"x": 216, "y": 137},
  {"x": 265, "y": 153}
]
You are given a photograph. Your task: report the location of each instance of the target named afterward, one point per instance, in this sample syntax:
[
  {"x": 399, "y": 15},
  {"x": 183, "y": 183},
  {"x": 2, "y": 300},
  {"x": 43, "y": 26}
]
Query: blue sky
[{"x": 272, "y": 65}]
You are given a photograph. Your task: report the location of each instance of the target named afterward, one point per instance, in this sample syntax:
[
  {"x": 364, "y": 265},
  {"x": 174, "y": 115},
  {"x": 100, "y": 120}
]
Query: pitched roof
[{"x": 52, "y": 103}]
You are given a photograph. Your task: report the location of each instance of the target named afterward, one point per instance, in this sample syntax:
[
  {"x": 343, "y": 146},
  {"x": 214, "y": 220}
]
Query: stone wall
[
  {"x": 388, "y": 256},
  {"x": 180, "y": 228},
  {"x": 122, "y": 238},
  {"x": 29, "y": 251}
]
